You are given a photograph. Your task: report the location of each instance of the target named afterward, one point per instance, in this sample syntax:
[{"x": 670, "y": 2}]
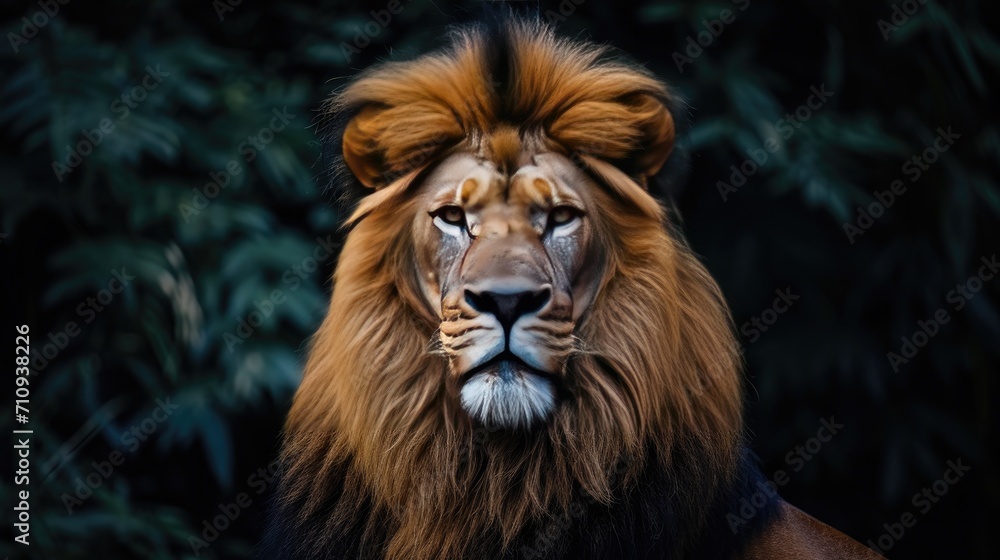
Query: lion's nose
[{"x": 508, "y": 307}]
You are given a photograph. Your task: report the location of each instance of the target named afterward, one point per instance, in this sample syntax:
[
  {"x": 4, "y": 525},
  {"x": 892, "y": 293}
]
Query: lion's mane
[{"x": 380, "y": 461}]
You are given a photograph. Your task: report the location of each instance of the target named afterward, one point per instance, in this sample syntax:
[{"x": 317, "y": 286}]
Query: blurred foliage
[{"x": 205, "y": 259}]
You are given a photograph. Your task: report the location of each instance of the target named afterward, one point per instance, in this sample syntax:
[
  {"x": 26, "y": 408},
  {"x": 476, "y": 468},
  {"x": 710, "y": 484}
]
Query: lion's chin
[{"x": 508, "y": 395}]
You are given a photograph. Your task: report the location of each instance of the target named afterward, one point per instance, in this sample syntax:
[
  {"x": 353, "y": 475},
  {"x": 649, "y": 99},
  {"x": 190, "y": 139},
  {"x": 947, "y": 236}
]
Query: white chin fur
[{"x": 506, "y": 397}]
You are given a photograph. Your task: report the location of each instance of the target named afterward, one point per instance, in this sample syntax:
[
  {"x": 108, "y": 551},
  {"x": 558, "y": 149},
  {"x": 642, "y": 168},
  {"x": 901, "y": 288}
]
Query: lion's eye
[
  {"x": 451, "y": 215},
  {"x": 561, "y": 215}
]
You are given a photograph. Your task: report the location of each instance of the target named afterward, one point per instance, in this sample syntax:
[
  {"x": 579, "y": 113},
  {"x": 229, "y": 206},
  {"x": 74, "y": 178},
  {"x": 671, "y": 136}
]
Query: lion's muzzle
[{"x": 509, "y": 332}]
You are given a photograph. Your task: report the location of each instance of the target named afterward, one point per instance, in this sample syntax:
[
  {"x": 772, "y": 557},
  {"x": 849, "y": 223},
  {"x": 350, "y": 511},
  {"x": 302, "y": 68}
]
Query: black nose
[{"x": 508, "y": 308}]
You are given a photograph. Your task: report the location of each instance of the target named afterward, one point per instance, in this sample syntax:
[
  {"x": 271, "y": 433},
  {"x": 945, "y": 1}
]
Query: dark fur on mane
[{"x": 645, "y": 524}]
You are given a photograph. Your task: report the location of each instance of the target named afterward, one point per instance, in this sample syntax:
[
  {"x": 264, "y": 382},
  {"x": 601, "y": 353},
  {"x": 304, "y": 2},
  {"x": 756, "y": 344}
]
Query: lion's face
[{"x": 507, "y": 263}]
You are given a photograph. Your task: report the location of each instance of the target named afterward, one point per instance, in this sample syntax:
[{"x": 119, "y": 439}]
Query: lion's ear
[
  {"x": 360, "y": 145},
  {"x": 382, "y": 142},
  {"x": 635, "y": 132},
  {"x": 656, "y": 130}
]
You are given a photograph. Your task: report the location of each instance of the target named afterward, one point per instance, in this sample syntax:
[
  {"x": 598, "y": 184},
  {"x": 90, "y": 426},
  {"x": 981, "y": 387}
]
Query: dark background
[{"x": 172, "y": 332}]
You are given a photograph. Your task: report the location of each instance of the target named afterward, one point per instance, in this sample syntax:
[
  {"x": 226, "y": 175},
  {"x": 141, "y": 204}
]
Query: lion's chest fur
[{"x": 649, "y": 519}]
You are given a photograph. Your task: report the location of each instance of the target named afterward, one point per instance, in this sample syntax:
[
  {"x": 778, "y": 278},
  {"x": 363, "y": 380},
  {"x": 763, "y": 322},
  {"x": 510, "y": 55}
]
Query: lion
[{"x": 520, "y": 359}]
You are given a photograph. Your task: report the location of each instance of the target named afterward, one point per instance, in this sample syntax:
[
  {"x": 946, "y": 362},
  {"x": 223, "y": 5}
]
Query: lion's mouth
[
  {"x": 505, "y": 392},
  {"x": 505, "y": 362}
]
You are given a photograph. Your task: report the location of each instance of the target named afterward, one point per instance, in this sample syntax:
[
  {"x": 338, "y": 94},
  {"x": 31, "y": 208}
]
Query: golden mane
[{"x": 375, "y": 430}]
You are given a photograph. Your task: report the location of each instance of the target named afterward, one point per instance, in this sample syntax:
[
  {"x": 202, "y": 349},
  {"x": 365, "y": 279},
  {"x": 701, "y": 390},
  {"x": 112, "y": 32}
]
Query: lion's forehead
[{"x": 534, "y": 185}]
